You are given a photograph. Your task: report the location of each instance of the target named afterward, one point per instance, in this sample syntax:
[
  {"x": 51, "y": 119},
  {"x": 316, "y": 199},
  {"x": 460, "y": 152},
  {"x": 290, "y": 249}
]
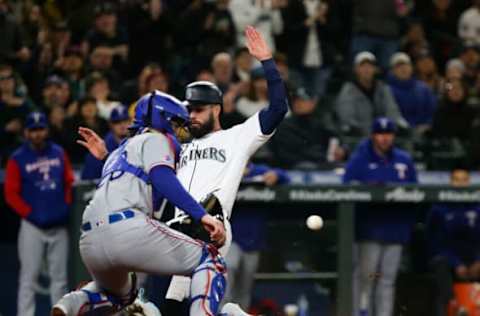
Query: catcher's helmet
[
  {"x": 200, "y": 93},
  {"x": 157, "y": 109}
]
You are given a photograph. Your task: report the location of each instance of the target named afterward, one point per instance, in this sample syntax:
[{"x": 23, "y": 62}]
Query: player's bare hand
[
  {"x": 93, "y": 142},
  {"x": 215, "y": 229},
  {"x": 270, "y": 178},
  {"x": 256, "y": 44}
]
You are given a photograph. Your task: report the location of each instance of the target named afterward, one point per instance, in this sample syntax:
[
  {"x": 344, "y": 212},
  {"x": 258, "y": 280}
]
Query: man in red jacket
[{"x": 38, "y": 187}]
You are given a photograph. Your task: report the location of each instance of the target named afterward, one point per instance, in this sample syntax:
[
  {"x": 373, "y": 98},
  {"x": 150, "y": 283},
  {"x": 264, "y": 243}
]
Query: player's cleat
[
  {"x": 78, "y": 303},
  {"x": 231, "y": 309}
]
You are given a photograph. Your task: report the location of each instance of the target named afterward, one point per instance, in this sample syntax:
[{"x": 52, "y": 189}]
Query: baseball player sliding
[
  {"x": 119, "y": 236},
  {"x": 211, "y": 166}
]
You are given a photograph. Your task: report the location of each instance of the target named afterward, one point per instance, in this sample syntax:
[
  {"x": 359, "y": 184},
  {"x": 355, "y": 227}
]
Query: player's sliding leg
[
  {"x": 208, "y": 283},
  {"x": 91, "y": 299}
]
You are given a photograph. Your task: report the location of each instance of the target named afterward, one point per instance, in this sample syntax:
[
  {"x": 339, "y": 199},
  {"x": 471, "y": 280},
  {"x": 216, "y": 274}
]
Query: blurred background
[{"x": 391, "y": 88}]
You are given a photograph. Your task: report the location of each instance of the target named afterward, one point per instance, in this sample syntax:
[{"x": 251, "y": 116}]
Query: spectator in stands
[
  {"x": 264, "y": 15},
  {"x": 469, "y": 24},
  {"x": 454, "y": 118},
  {"x": 133, "y": 89},
  {"x": 13, "y": 105},
  {"x": 219, "y": 29},
  {"x": 56, "y": 92},
  {"x": 381, "y": 230},
  {"x": 71, "y": 65},
  {"x": 249, "y": 227},
  {"x": 454, "y": 70},
  {"x": 426, "y": 70},
  {"x": 376, "y": 28},
  {"x": 86, "y": 116},
  {"x": 302, "y": 141},
  {"x": 98, "y": 88},
  {"x": 414, "y": 42},
  {"x": 119, "y": 121},
  {"x": 415, "y": 99},
  {"x": 440, "y": 23},
  {"x": 243, "y": 65},
  {"x": 38, "y": 187},
  {"x": 305, "y": 24},
  {"x": 101, "y": 61},
  {"x": 56, "y": 131},
  {"x": 222, "y": 68},
  {"x": 155, "y": 21},
  {"x": 453, "y": 234},
  {"x": 158, "y": 81},
  {"x": 12, "y": 46},
  {"x": 470, "y": 56},
  {"x": 365, "y": 98},
  {"x": 257, "y": 95},
  {"x": 106, "y": 32}
]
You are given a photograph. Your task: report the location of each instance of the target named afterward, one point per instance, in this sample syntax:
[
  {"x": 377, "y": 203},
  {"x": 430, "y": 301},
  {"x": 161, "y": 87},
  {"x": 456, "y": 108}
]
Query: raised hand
[
  {"x": 93, "y": 142},
  {"x": 256, "y": 44}
]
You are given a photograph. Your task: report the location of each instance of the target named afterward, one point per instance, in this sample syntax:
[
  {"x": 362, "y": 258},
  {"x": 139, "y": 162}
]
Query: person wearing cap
[
  {"x": 119, "y": 121},
  {"x": 303, "y": 140},
  {"x": 415, "y": 99},
  {"x": 55, "y": 92},
  {"x": 453, "y": 240},
  {"x": 364, "y": 98},
  {"x": 38, "y": 187},
  {"x": 381, "y": 230}
]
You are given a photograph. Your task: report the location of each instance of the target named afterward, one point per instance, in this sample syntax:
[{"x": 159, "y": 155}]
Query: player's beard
[{"x": 203, "y": 129}]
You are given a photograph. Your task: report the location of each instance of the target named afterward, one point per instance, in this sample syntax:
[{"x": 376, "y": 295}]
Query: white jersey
[
  {"x": 216, "y": 162},
  {"x": 122, "y": 190}
]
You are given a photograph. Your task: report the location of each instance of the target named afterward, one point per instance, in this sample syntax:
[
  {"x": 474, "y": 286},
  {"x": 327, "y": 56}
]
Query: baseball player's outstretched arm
[
  {"x": 166, "y": 183},
  {"x": 94, "y": 143},
  {"x": 271, "y": 116}
]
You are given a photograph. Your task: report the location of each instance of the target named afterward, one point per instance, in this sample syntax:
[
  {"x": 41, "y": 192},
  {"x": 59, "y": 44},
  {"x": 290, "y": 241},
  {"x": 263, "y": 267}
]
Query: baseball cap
[
  {"x": 36, "y": 120},
  {"x": 54, "y": 80},
  {"x": 399, "y": 58},
  {"x": 383, "y": 125},
  {"x": 118, "y": 114},
  {"x": 364, "y": 56}
]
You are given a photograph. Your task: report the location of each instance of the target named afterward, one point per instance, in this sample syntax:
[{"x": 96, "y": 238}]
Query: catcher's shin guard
[{"x": 208, "y": 283}]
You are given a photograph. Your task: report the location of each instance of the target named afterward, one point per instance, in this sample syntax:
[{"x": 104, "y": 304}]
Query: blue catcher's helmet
[{"x": 157, "y": 110}]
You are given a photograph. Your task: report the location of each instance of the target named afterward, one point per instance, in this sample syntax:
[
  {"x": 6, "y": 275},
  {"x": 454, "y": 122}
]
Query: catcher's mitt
[{"x": 194, "y": 229}]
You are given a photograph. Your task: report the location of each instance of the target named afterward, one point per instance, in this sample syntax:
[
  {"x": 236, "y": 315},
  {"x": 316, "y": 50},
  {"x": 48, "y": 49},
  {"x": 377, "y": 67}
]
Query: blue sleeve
[
  {"x": 92, "y": 168},
  {"x": 255, "y": 170},
  {"x": 166, "y": 183},
  {"x": 283, "y": 177},
  {"x": 413, "y": 178},
  {"x": 271, "y": 116},
  {"x": 437, "y": 236},
  {"x": 352, "y": 170}
]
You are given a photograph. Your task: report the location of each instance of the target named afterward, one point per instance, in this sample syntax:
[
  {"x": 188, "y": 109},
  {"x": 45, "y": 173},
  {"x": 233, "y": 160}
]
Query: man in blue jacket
[
  {"x": 38, "y": 187},
  {"x": 415, "y": 99},
  {"x": 381, "y": 230},
  {"x": 453, "y": 233},
  {"x": 119, "y": 121}
]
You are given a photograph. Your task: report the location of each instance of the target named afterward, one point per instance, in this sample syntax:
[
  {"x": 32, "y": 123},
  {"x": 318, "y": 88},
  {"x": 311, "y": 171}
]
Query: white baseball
[{"x": 314, "y": 222}]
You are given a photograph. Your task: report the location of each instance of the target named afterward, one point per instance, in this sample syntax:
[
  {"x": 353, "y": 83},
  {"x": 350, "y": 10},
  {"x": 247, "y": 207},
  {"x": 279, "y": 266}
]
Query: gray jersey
[{"x": 122, "y": 190}]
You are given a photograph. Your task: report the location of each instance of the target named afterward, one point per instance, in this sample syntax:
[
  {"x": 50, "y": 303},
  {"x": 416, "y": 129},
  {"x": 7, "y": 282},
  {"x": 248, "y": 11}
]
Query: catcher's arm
[{"x": 94, "y": 143}]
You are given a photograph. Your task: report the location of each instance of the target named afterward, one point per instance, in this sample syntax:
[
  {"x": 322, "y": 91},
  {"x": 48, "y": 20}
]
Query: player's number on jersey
[{"x": 111, "y": 170}]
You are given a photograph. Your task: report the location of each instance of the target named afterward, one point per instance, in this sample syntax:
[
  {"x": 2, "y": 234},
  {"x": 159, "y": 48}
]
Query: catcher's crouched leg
[{"x": 208, "y": 283}]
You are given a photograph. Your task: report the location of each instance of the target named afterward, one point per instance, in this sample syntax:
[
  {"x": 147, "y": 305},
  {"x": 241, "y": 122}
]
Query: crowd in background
[{"x": 346, "y": 63}]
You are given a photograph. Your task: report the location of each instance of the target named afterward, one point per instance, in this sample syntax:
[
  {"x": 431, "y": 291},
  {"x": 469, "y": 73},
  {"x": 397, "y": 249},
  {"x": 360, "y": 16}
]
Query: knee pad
[{"x": 213, "y": 266}]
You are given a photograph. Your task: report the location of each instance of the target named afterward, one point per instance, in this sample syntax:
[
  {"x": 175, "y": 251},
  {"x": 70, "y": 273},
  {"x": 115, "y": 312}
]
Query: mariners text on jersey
[{"x": 190, "y": 153}]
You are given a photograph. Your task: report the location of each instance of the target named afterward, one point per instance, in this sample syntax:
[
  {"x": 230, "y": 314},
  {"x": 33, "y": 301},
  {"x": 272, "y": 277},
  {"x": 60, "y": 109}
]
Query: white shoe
[
  {"x": 231, "y": 309},
  {"x": 76, "y": 303}
]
